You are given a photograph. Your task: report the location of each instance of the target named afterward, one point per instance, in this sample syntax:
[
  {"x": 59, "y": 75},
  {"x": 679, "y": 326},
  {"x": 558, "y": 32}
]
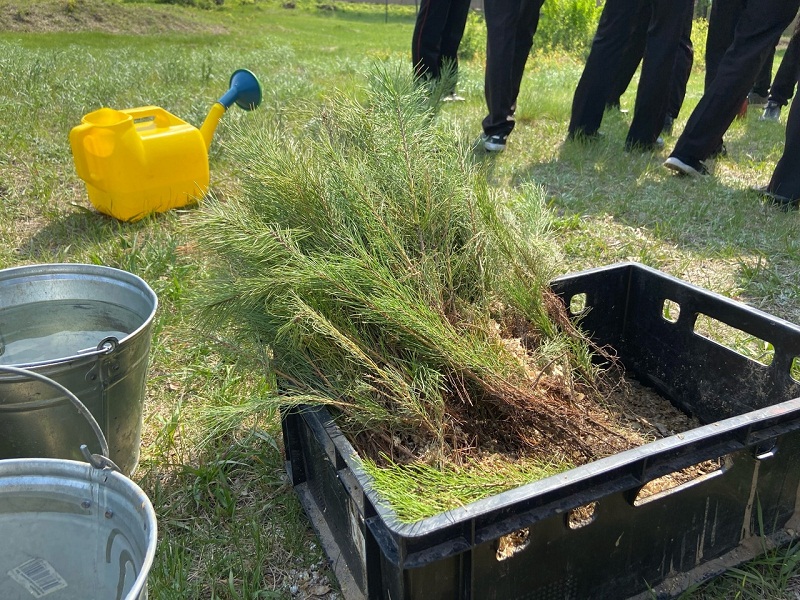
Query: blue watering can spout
[{"x": 244, "y": 90}]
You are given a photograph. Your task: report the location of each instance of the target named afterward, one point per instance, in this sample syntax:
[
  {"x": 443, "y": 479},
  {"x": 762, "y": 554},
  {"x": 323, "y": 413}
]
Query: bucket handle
[
  {"x": 97, "y": 461},
  {"x": 106, "y": 346}
]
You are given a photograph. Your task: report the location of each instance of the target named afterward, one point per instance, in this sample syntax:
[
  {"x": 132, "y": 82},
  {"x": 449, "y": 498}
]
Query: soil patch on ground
[{"x": 58, "y": 16}]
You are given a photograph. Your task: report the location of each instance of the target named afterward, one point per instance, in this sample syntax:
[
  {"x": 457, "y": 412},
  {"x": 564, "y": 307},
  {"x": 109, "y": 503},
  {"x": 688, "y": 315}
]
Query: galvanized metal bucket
[
  {"x": 70, "y": 530},
  {"x": 48, "y": 315}
]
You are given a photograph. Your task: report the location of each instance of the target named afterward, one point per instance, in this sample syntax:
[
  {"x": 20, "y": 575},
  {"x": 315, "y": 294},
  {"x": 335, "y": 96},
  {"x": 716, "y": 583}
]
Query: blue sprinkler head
[{"x": 244, "y": 90}]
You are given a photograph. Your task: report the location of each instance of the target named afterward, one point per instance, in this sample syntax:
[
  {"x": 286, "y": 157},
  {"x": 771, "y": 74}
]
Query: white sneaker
[
  {"x": 494, "y": 143},
  {"x": 676, "y": 164},
  {"x": 453, "y": 98},
  {"x": 772, "y": 112}
]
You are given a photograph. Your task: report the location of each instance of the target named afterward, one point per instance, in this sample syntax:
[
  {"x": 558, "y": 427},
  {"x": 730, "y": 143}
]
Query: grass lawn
[{"x": 230, "y": 524}]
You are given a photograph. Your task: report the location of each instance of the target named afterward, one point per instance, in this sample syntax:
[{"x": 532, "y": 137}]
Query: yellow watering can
[{"x": 144, "y": 160}]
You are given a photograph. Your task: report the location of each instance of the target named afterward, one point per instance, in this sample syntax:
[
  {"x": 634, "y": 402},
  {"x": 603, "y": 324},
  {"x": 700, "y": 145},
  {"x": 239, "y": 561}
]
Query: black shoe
[
  {"x": 756, "y": 99},
  {"x": 686, "y": 166},
  {"x": 494, "y": 143},
  {"x": 772, "y": 112},
  {"x": 631, "y": 145},
  {"x": 719, "y": 152},
  {"x": 782, "y": 202}
]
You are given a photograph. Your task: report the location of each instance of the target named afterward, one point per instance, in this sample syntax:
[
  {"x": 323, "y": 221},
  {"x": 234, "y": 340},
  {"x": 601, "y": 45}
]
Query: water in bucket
[
  {"x": 42, "y": 331},
  {"x": 70, "y": 531},
  {"x": 53, "y": 318}
]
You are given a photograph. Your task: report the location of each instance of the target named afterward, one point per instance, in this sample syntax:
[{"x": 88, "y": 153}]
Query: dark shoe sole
[{"x": 782, "y": 202}]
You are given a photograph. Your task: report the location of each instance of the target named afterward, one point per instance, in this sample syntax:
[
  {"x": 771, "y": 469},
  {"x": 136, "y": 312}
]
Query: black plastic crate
[{"x": 751, "y": 417}]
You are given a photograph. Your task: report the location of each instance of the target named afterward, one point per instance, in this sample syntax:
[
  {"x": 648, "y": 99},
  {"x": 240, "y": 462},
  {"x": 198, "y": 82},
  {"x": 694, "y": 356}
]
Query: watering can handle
[
  {"x": 80, "y": 406},
  {"x": 76, "y": 137},
  {"x": 161, "y": 117}
]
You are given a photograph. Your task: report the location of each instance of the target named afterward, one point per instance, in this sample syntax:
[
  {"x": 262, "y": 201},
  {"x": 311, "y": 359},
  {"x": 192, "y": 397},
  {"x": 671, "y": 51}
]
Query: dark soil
[{"x": 554, "y": 415}]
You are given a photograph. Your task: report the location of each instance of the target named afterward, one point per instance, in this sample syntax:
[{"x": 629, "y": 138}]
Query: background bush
[
  {"x": 567, "y": 25},
  {"x": 699, "y": 35},
  {"x": 473, "y": 44}
]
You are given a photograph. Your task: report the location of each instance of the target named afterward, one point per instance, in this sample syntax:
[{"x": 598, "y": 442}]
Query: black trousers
[
  {"x": 764, "y": 77},
  {"x": 721, "y": 28},
  {"x": 437, "y": 35},
  {"x": 667, "y": 18},
  {"x": 757, "y": 30},
  {"x": 510, "y": 27},
  {"x": 682, "y": 69},
  {"x": 631, "y": 55},
  {"x": 782, "y": 88},
  {"x": 785, "y": 179},
  {"x": 634, "y": 51}
]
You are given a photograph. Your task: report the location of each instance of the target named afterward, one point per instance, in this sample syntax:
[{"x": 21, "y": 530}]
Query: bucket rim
[
  {"x": 41, "y": 270},
  {"x": 85, "y": 473}
]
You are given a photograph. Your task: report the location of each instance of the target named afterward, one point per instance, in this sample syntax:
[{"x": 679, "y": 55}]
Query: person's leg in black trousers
[
  {"x": 594, "y": 86},
  {"x": 527, "y": 23},
  {"x": 721, "y": 27},
  {"x": 785, "y": 181},
  {"x": 722, "y": 22},
  {"x": 437, "y": 34},
  {"x": 631, "y": 56},
  {"x": 510, "y": 27},
  {"x": 783, "y": 85},
  {"x": 427, "y": 37},
  {"x": 667, "y": 22},
  {"x": 453, "y": 32},
  {"x": 764, "y": 78},
  {"x": 682, "y": 69},
  {"x": 757, "y": 30}
]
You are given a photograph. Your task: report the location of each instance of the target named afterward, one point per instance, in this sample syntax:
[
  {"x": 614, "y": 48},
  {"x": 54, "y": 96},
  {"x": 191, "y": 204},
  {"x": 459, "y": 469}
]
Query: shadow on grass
[
  {"x": 149, "y": 247},
  {"x": 598, "y": 188},
  {"x": 71, "y": 234}
]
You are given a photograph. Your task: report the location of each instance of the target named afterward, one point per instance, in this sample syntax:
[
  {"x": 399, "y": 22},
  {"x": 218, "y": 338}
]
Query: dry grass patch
[{"x": 103, "y": 16}]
